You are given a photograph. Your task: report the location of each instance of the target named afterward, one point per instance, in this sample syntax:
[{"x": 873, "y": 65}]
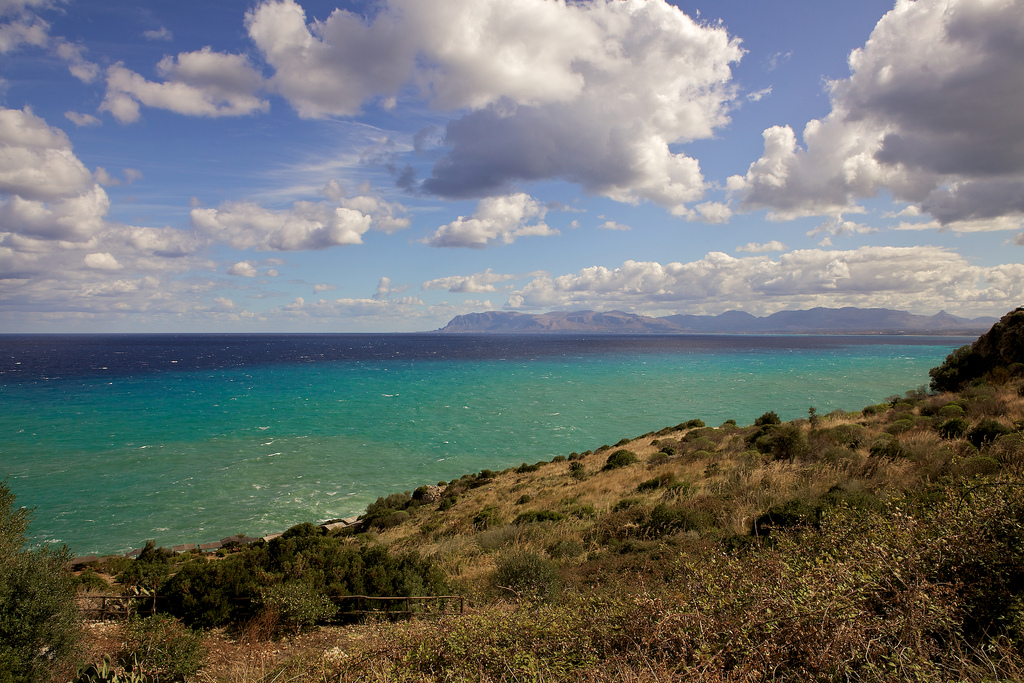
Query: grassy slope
[
  {"x": 647, "y": 589},
  {"x": 649, "y": 571}
]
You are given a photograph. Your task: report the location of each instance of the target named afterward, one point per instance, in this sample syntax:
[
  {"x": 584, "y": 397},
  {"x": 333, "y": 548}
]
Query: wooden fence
[{"x": 106, "y": 607}]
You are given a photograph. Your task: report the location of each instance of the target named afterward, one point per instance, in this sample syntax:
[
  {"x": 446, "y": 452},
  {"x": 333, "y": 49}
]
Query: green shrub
[
  {"x": 769, "y": 418},
  {"x": 985, "y": 432},
  {"x": 524, "y": 468},
  {"x": 577, "y": 470},
  {"x": 953, "y": 429},
  {"x": 626, "y": 503},
  {"x": 149, "y": 569},
  {"x": 783, "y": 442},
  {"x": 90, "y": 580},
  {"x": 665, "y": 519},
  {"x": 447, "y": 503},
  {"x": 657, "y": 460},
  {"x": 533, "y": 516},
  {"x": 663, "y": 479},
  {"x": 558, "y": 458},
  {"x": 160, "y": 646},
  {"x": 900, "y": 426},
  {"x": 39, "y": 623},
  {"x": 526, "y": 575},
  {"x": 564, "y": 549},
  {"x": 620, "y": 458},
  {"x": 298, "y": 604},
  {"x": 524, "y": 499},
  {"x": 690, "y": 424},
  {"x": 886, "y": 446},
  {"x": 486, "y": 518},
  {"x": 950, "y": 410},
  {"x": 979, "y": 466}
]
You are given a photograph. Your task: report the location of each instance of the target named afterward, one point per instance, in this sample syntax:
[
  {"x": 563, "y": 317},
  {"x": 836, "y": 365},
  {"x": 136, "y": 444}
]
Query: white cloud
[
  {"x": 836, "y": 227},
  {"x": 916, "y": 278},
  {"x": 755, "y": 248},
  {"x": 383, "y": 289},
  {"x": 307, "y": 225},
  {"x": 496, "y": 219},
  {"x": 711, "y": 212},
  {"x": 30, "y": 30},
  {"x": 243, "y": 269},
  {"x": 469, "y": 284},
  {"x": 759, "y": 95},
  {"x": 78, "y": 65},
  {"x": 45, "y": 191},
  {"x": 931, "y": 113},
  {"x": 102, "y": 261},
  {"x": 202, "y": 83},
  {"x": 36, "y": 161},
  {"x": 162, "y": 34},
  {"x": 612, "y": 225},
  {"x": 323, "y": 288},
  {"x": 999, "y": 224},
  {"x": 593, "y": 93},
  {"x": 81, "y": 120}
]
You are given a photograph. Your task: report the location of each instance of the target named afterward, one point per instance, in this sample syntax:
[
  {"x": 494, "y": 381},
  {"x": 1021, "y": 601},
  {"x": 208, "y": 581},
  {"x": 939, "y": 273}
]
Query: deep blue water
[{"x": 116, "y": 439}]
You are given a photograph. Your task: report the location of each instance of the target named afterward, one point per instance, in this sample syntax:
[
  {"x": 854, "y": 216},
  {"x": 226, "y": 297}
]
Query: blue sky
[{"x": 289, "y": 165}]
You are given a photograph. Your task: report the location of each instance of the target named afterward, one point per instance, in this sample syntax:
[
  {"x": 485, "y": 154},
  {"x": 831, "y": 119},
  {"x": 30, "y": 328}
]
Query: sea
[{"x": 189, "y": 438}]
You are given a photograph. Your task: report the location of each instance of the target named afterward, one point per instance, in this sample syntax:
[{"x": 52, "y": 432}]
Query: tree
[{"x": 39, "y": 620}]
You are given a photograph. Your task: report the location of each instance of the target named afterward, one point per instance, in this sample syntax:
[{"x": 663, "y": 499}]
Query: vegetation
[
  {"x": 39, "y": 625},
  {"x": 877, "y": 545}
]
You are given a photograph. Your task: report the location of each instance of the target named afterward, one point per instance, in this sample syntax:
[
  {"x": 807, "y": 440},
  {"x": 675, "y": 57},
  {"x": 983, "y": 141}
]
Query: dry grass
[{"x": 719, "y": 474}]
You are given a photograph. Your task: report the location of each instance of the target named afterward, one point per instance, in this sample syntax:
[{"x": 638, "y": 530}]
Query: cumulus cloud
[
  {"x": 306, "y": 225},
  {"x": 893, "y": 277},
  {"x": 102, "y": 261},
  {"x": 931, "y": 113},
  {"x": 755, "y": 248},
  {"x": 201, "y": 83},
  {"x": 503, "y": 219},
  {"x": 45, "y": 190},
  {"x": 27, "y": 30},
  {"x": 78, "y": 65},
  {"x": 243, "y": 269},
  {"x": 469, "y": 284},
  {"x": 593, "y": 93},
  {"x": 969, "y": 226},
  {"x": 612, "y": 225}
]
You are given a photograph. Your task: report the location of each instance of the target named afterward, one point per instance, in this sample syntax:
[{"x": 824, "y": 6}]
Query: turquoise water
[{"x": 196, "y": 455}]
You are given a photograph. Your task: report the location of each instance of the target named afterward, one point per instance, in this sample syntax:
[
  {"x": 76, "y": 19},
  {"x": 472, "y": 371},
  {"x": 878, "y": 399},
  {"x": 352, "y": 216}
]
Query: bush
[
  {"x": 886, "y": 446},
  {"x": 783, "y": 442},
  {"x": 900, "y": 426},
  {"x": 527, "y": 575},
  {"x": 39, "y": 623},
  {"x": 663, "y": 479},
  {"x": 149, "y": 569},
  {"x": 298, "y": 604},
  {"x": 769, "y": 418},
  {"x": 620, "y": 458},
  {"x": 486, "y": 518},
  {"x": 533, "y": 516},
  {"x": 985, "y": 432},
  {"x": 953, "y": 429},
  {"x": 160, "y": 646}
]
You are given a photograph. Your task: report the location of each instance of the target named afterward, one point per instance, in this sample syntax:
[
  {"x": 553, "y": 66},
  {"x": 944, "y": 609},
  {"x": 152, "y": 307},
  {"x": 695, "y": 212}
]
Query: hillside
[
  {"x": 813, "y": 321},
  {"x": 875, "y": 545}
]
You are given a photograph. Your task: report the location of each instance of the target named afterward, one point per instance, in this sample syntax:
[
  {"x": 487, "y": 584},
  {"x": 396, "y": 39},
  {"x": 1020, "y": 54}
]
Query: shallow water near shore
[{"x": 116, "y": 439}]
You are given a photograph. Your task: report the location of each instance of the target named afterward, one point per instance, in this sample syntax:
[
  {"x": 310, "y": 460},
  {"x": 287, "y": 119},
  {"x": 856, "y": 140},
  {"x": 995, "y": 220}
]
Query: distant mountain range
[{"x": 816, "y": 320}]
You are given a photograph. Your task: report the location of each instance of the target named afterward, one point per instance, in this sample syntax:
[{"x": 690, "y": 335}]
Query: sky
[{"x": 383, "y": 166}]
